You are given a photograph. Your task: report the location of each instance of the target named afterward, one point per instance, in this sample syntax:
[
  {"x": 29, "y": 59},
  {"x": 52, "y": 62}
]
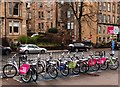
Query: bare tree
[{"x": 84, "y": 11}]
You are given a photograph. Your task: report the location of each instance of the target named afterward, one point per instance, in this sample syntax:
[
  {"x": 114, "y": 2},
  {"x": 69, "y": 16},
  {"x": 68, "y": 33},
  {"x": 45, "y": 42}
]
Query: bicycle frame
[
  {"x": 14, "y": 63},
  {"x": 111, "y": 58}
]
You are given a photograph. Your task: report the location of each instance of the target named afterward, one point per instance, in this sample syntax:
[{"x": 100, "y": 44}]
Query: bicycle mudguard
[
  {"x": 102, "y": 60},
  {"x": 92, "y": 62},
  {"x": 24, "y": 69}
]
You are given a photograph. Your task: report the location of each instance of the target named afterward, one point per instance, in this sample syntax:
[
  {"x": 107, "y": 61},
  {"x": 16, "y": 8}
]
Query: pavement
[{"x": 106, "y": 78}]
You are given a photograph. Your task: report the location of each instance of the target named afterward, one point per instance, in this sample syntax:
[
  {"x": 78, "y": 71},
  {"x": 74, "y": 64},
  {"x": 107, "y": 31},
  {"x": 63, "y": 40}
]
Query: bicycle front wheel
[
  {"x": 114, "y": 66},
  {"x": 53, "y": 73},
  {"x": 65, "y": 71},
  {"x": 9, "y": 71},
  {"x": 27, "y": 77},
  {"x": 34, "y": 75},
  {"x": 76, "y": 70},
  {"x": 84, "y": 68},
  {"x": 95, "y": 67},
  {"x": 104, "y": 66}
]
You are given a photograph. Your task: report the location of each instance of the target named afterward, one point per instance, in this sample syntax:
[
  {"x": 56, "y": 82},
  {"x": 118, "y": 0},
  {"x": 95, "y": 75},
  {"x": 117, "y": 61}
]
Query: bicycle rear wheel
[{"x": 9, "y": 71}]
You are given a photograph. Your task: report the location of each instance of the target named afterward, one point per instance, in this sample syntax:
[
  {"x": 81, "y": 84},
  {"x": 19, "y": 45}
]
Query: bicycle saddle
[{"x": 111, "y": 54}]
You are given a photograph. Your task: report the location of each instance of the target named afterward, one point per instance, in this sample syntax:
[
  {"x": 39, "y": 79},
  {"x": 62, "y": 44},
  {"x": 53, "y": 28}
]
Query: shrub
[
  {"x": 23, "y": 39},
  {"x": 53, "y": 30}
]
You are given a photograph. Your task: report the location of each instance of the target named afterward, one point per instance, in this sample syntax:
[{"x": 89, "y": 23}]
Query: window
[
  {"x": 42, "y": 14},
  {"x": 68, "y": 25},
  {"x": 99, "y": 17},
  {"x": 104, "y": 29},
  {"x": 10, "y": 26},
  {"x": 10, "y": 29},
  {"x": 51, "y": 25},
  {"x": 62, "y": 2},
  {"x": 109, "y": 6},
  {"x": 113, "y": 19},
  {"x": 108, "y": 18},
  {"x": 103, "y": 39},
  {"x": 99, "y": 29},
  {"x": 15, "y": 29},
  {"x": 113, "y": 8},
  {"x": 72, "y": 25},
  {"x": 99, "y": 39},
  {"x": 100, "y": 6},
  {"x": 15, "y": 9},
  {"x": 10, "y": 8},
  {"x": 68, "y": 14},
  {"x": 104, "y": 6},
  {"x": 48, "y": 4},
  {"x": 118, "y": 20},
  {"x": 108, "y": 39},
  {"x": 34, "y": 46},
  {"x": 16, "y": 26},
  {"x": 42, "y": 26},
  {"x": 40, "y": 4},
  {"x": 30, "y": 47},
  {"x": 118, "y": 7},
  {"x": 104, "y": 18},
  {"x": 39, "y": 26},
  {"x": 48, "y": 14},
  {"x": 39, "y": 16}
]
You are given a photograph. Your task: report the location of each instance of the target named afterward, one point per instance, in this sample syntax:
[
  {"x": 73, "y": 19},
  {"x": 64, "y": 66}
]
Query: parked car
[
  {"x": 31, "y": 48},
  {"x": 78, "y": 47},
  {"x": 5, "y": 50},
  {"x": 88, "y": 43}
]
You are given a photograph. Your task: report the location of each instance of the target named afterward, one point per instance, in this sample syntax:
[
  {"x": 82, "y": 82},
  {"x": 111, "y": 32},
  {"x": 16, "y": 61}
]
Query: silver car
[{"x": 31, "y": 48}]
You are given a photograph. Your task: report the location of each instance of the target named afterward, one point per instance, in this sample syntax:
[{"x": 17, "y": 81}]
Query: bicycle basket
[{"x": 72, "y": 64}]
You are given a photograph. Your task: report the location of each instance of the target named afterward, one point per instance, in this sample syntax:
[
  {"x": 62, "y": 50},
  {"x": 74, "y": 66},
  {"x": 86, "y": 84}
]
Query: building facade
[
  {"x": 108, "y": 15},
  {"x": 45, "y": 15},
  {"x": 13, "y": 19}
]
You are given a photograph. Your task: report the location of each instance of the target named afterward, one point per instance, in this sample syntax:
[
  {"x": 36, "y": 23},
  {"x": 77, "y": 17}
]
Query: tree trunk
[{"x": 79, "y": 29}]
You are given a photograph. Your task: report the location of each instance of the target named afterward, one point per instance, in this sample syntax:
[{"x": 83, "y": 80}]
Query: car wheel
[
  {"x": 42, "y": 51},
  {"x": 7, "y": 52},
  {"x": 87, "y": 49},
  {"x": 76, "y": 50},
  {"x": 26, "y": 52}
]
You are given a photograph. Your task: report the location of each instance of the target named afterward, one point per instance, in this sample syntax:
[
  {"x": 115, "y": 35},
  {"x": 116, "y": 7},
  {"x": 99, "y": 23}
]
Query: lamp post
[
  {"x": 5, "y": 21},
  {"x": 56, "y": 14}
]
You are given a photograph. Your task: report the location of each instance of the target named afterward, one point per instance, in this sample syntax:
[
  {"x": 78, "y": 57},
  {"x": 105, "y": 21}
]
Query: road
[{"x": 107, "y": 77}]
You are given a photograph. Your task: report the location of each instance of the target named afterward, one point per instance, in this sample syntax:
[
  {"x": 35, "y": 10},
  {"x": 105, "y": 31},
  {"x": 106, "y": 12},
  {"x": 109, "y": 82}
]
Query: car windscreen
[
  {"x": 22, "y": 46},
  {"x": 78, "y": 44}
]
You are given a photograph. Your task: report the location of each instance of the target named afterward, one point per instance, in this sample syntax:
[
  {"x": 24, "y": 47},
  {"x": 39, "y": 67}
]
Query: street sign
[
  {"x": 116, "y": 30},
  {"x": 113, "y": 30},
  {"x": 110, "y": 30}
]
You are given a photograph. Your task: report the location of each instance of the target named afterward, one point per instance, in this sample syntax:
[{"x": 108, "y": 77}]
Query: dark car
[
  {"x": 5, "y": 50},
  {"x": 88, "y": 43},
  {"x": 78, "y": 47}
]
